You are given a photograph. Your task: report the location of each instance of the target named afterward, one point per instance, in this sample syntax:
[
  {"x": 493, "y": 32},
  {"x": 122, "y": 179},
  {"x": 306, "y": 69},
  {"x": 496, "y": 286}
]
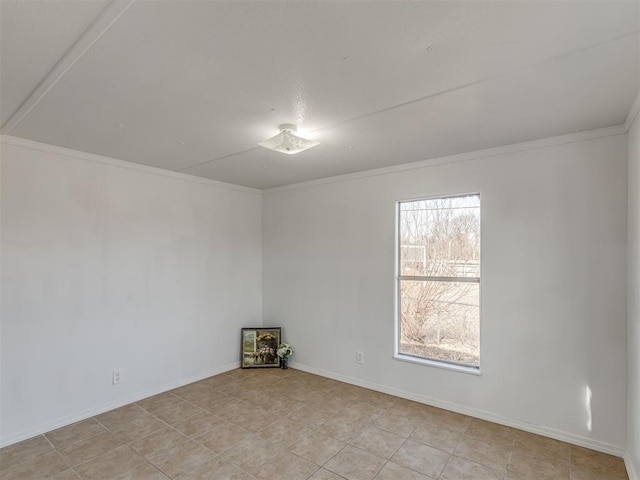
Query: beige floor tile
[
  {"x": 487, "y": 431},
  {"x": 159, "y": 402},
  {"x": 159, "y": 442},
  {"x": 443, "y": 438},
  {"x": 333, "y": 404},
  {"x": 43, "y": 466},
  {"x": 488, "y": 453},
  {"x": 317, "y": 447},
  {"x": 253, "y": 395},
  {"x": 198, "y": 424},
  {"x": 284, "y": 432},
  {"x": 115, "y": 419},
  {"x": 309, "y": 394},
  {"x": 222, "y": 437},
  {"x": 130, "y": 422},
  {"x": 436, "y": 417},
  {"x": 236, "y": 389},
  {"x": 68, "y": 474},
  {"x": 210, "y": 403},
  {"x": 393, "y": 471},
  {"x": 24, "y": 451},
  {"x": 181, "y": 459},
  {"x": 142, "y": 471},
  {"x": 362, "y": 412},
  {"x": 191, "y": 389},
  {"x": 355, "y": 464},
  {"x": 89, "y": 448},
  {"x": 525, "y": 466},
  {"x": 254, "y": 420},
  {"x": 286, "y": 466},
  {"x": 590, "y": 458},
  {"x": 178, "y": 412},
  {"x": 343, "y": 429},
  {"x": 283, "y": 405},
  {"x": 217, "y": 469},
  {"x": 421, "y": 458},
  {"x": 393, "y": 423},
  {"x": 200, "y": 394},
  {"x": 462, "y": 469},
  {"x": 138, "y": 428},
  {"x": 110, "y": 464},
  {"x": 379, "y": 442},
  {"x": 410, "y": 409},
  {"x": 378, "y": 399},
  {"x": 311, "y": 415},
  {"x": 63, "y": 437},
  {"x": 588, "y": 472},
  {"x": 538, "y": 446},
  {"x": 324, "y": 474},
  {"x": 278, "y": 413},
  {"x": 228, "y": 410},
  {"x": 251, "y": 453},
  {"x": 588, "y": 465}
]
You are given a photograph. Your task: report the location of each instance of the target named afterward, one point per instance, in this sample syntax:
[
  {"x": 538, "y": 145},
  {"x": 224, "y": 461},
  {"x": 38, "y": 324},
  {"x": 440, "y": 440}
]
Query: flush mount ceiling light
[{"x": 287, "y": 141}]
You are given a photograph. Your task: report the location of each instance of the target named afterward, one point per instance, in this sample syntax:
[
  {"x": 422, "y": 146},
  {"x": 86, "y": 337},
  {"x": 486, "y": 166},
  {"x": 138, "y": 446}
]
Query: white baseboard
[
  {"x": 631, "y": 469},
  {"x": 473, "y": 412},
  {"x": 97, "y": 410}
]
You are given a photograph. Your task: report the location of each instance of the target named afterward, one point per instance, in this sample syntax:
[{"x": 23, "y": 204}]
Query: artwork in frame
[{"x": 259, "y": 346}]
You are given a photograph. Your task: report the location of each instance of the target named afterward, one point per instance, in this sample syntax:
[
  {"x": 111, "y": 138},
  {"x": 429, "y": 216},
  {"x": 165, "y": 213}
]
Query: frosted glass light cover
[{"x": 287, "y": 142}]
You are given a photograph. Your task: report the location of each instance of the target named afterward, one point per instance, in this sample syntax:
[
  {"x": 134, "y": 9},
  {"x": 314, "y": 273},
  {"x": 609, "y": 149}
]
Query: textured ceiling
[{"x": 192, "y": 86}]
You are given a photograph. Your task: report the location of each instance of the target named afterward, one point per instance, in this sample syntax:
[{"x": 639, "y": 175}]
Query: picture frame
[{"x": 258, "y": 347}]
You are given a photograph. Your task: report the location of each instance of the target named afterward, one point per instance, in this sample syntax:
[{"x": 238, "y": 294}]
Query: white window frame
[{"x": 397, "y": 355}]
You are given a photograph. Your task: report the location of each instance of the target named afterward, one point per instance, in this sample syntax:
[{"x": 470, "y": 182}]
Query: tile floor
[{"x": 287, "y": 425}]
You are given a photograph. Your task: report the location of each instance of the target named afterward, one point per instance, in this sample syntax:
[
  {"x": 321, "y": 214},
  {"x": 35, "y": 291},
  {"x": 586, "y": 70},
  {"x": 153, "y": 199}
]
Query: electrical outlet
[
  {"x": 117, "y": 377},
  {"x": 359, "y": 357}
]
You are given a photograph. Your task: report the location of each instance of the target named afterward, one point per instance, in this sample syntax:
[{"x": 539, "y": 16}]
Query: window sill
[{"x": 434, "y": 363}]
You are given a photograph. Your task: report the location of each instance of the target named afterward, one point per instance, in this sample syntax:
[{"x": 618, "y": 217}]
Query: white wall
[
  {"x": 106, "y": 265},
  {"x": 633, "y": 305},
  {"x": 553, "y": 284}
]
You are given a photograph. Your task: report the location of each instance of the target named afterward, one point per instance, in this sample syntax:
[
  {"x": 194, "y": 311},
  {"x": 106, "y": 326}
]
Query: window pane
[
  {"x": 440, "y": 237},
  {"x": 440, "y": 321}
]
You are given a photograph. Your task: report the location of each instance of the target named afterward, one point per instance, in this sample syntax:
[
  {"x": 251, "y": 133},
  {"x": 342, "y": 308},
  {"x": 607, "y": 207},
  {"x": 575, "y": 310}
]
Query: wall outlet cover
[{"x": 117, "y": 377}]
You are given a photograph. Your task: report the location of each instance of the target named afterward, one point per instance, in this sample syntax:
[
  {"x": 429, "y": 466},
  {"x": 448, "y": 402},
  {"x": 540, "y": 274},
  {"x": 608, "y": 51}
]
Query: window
[{"x": 438, "y": 281}]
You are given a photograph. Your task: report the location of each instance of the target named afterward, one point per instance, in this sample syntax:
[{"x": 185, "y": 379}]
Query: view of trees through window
[{"x": 439, "y": 279}]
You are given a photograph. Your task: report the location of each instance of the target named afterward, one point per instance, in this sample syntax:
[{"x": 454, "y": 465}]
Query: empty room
[{"x": 324, "y": 240}]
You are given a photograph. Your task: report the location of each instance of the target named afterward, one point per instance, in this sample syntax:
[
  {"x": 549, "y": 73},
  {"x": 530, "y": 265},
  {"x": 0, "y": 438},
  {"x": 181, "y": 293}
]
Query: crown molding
[
  {"x": 432, "y": 162},
  {"x": 90, "y": 157},
  {"x": 463, "y": 157}
]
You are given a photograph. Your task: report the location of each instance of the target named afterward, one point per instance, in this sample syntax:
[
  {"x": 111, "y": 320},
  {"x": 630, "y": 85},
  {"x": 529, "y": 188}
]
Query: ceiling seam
[
  {"x": 433, "y": 95},
  {"x": 247, "y": 150},
  {"x": 91, "y": 35},
  {"x": 477, "y": 82}
]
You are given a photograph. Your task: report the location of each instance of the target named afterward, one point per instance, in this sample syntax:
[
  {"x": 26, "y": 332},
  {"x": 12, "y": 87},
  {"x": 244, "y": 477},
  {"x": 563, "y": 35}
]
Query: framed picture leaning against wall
[{"x": 259, "y": 346}]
